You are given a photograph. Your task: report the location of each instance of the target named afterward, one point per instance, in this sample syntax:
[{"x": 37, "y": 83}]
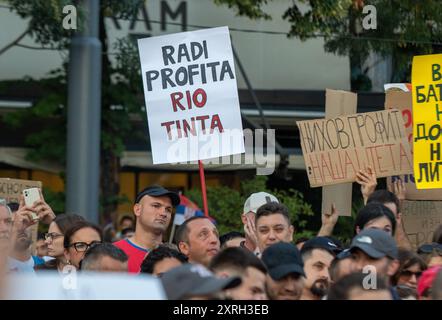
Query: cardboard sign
[
  {"x": 11, "y": 189},
  {"x": 426, "y": 78},
  {"x": 338, "y": 103},
  {"x": 403, "y": 102},
  {"x": 335, "y": 149},
  {"x": 84, "y": 286},
  {"x": 191, "y": 96},
  {"x": 421, "y": 219}
]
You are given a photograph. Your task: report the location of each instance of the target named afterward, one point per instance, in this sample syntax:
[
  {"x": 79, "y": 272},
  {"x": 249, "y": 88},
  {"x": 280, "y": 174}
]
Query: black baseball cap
[
  {"x": 158, "y": 191},
  {"x": 282, "y": 259},
  {"x": 189, "y": 280},
  {"x": 375, "y": 243},
  {"x": 344, "y": 254},
  {"x": 324, "y": 243}
]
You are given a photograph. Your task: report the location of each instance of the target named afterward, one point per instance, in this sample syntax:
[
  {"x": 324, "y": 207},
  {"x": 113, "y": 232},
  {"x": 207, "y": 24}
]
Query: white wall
[{"x": 271, "y": 61}]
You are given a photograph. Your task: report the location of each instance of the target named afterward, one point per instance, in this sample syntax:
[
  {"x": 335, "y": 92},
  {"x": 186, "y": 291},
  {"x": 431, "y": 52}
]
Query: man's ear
[
  {"x": 244, "y": 219},
  {"x": 184, "y": 248},
  {"x": 292, "y": 231},
  {"x": 137, "y": 209},
  {"x": 358, "y": 229}
]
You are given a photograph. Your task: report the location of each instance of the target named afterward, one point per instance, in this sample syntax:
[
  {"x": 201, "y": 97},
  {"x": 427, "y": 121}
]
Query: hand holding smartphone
[{"x": 31, "y": 195}]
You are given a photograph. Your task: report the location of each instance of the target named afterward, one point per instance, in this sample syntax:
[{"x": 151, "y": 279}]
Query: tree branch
[
  {"x": 34, "y": 48},
  {"x": 13, "y": 43}
]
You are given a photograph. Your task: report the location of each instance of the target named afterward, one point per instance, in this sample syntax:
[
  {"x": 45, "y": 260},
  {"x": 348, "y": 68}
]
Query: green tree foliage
[
  {"x": 121, "y": 86},
  {"x": 49, "y": 143},
  {"x": 404, "y": 28},
  {"x": 249, "y": 8},
  {"x": 226, "y": 205}
]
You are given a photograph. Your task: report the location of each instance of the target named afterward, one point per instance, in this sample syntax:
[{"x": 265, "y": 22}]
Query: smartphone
[{"x": 31, "y": 195}]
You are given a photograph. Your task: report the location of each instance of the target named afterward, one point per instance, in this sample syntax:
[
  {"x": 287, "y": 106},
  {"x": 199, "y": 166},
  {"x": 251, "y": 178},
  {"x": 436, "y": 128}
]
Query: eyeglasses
[
  {"x": 429, "y": 248},
  {"x": 409, "y": 274},
  {"x": 83, "y": 246},
  {"x": 52, "y": 235}
]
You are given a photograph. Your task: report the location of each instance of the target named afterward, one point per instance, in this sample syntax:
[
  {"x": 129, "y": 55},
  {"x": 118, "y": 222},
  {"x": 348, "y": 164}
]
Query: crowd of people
[{"x": 263, "y": 262}]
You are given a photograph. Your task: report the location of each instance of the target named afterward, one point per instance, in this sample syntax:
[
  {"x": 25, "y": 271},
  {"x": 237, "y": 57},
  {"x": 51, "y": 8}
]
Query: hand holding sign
[
  {"x": 329, "y": 220},
  {"x": 398, "y": 188},
  {"x": 367, "y": 179}
]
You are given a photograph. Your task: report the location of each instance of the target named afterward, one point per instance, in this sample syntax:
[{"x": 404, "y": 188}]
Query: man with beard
[
  {"x": 153, "y": 210},
  {"x": 317, "y": 254},
  {"x": 375, "y": 251},
  {"x": 20, "y": 257}
]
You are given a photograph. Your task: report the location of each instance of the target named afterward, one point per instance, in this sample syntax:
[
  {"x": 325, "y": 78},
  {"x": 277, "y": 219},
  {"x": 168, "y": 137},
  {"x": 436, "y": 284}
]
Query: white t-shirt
[{"x": 21, "y": 266}]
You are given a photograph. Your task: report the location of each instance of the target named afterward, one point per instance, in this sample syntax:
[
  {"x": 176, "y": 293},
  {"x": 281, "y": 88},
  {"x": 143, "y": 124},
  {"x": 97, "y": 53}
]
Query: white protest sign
[
  {"x": 191, "y": 96},
  {"x": 84, "y": 286}
]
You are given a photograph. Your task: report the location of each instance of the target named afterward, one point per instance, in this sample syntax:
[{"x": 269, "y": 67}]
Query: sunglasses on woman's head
[{"x": 429, "y": 248}]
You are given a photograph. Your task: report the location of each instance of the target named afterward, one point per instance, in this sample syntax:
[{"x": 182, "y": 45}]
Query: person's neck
[
  {"x": 146, "y": 239},
  {"x": 21, "y": 255},
  {"x": 198, "y": 262},
  {"x": 308, "y": 295}
]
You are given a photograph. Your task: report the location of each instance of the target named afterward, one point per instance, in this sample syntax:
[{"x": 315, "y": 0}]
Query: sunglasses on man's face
[{"x": 429, "y": 248}]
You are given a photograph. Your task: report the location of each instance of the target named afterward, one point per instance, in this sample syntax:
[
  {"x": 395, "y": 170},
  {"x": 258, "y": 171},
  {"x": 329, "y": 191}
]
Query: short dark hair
[
  {"x": 126, "y": 231},
  {"x": 182, "y": 232},
  {"x": 126, "y": 217},
  {"x": 437, "y": 236},
  {"x": 13, "y": 206},
  {"x": 158, "y": 254},
  {"x": 307, "y": 253},
  {"x": 229, "y": 236},
  {"x": 372, "y": 211},
  {"x": 64, "y": 221},
  {"x": 238, "y": 259},
  {"x": 101, "y": 250},
  {"x": 302, "y": 239},
  {"x": 272, "y": 208},
  {"x": 407, "y": 258},
  {"x": 40, "y": 236},
  {"x": 342, "y": 288},
  {"x": 384, "y": 196},
  {"x": 78, "y": 226}
]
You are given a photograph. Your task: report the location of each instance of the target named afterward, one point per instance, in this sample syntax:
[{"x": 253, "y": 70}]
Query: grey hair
[{"x": 3, "y": 203}]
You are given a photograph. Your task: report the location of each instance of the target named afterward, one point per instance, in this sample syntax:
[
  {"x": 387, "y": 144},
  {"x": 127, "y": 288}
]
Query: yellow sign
[{"x": 426, "y": 81}]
